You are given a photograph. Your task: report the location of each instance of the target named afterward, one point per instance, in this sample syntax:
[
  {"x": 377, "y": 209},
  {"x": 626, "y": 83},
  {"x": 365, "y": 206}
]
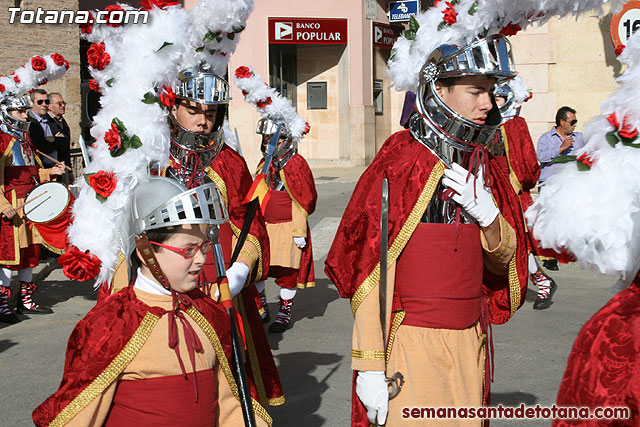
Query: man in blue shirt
[{"x": 560, "y": 140}]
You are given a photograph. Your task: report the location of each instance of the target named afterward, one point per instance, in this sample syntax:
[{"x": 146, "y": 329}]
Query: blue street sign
[{"x": 402, "y": 10}]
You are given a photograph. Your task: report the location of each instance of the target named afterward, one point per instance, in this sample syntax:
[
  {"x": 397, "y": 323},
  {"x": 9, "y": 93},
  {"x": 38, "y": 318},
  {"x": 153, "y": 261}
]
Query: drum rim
[{"x": 63, "y": 210}]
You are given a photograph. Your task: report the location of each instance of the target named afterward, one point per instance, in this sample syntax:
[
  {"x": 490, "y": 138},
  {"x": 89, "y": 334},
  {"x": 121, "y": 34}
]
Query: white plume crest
[
  {"x": 589, "y": 213},
  {"x": 26, "y": 78},
  {"x": 490, "y": 17},
  {"x": 143, "y": 59},
  {"x": 270, "y": 104}
]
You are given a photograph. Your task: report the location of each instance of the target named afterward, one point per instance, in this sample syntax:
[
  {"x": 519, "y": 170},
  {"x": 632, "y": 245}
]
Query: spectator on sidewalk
[
  {"x": 40, "y": 129},
  {"x": 561, "y": 140},
  {"x": 60, "y": 128}
]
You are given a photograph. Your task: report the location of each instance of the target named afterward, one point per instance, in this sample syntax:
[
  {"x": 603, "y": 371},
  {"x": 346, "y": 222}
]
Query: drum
[{"x": 46, "y": 202}]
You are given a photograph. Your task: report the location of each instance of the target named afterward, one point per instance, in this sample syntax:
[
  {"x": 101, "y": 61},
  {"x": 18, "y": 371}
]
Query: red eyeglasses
[{"x": 189, "y": 251}]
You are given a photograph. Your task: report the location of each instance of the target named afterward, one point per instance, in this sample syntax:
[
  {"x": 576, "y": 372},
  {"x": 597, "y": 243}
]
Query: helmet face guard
[
  {"x": 490, "y": 57},
  {"x": 286, "y": 147},
  {"x": 508, "y": 109},
  {"x": 163, "y": 202},
  {"x": 13, "y": 126}
]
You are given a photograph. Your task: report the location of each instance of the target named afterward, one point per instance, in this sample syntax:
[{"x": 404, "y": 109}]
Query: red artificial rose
[
  {"x": 167, "y": 97},
  {"x": 586, "y": 159},
  {"x": 112, "y": 138},
  {"x": 510, "y": 30},
  {"x": 88, "y": 27},
  {"x": 97, "y": 56},
  {"x": 269, "y": 100},
  {"x": 58, "y": 59},
  {"x": 435, "y": 2},
  {"x": 261, "y": 104},
  {"x": 38, "y": 63},
  {"x": 43, "y": 82},
  {"x": 16, "y": 79},
  {"x": 307, "y": 128},
  {"x": 103, "y": 183},
  {"x": 78, "y": 265},
  {"x": 244, "y": 92},
  {"x": 66, "y": 64},
  {"x": 619, "y": 49},
  {"x": 613, "y": 119},
  {"x": 626, "y": 130},
  {"x": 450, "y": 14},
  {"x": 2, "y": 88},
  {"x": 111, "y": 9},
  {"x": 93, "y": 85},
  {"x": 243, "y": 72},
  {"x": 148, "y": 4}
]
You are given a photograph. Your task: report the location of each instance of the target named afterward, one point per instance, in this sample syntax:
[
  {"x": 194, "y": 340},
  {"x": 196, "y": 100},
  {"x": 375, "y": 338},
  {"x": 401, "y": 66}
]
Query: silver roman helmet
[
  {"x": 164, "y": 202},
  {"x": 12, "y": 126},
  {"x": 490, "y": 56},
  {"x": 286, "y": 147},
  {"x": 193, "y": 151}
]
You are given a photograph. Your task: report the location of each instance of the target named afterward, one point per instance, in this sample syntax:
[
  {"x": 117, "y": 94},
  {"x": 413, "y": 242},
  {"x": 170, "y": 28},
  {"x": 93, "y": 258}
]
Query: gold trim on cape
[
  {"x": 398, "y": 317},
  {"x": 224, "y": 362},
  {"x": 110, "y": 374},
  {"x": 402, "y": 238}
]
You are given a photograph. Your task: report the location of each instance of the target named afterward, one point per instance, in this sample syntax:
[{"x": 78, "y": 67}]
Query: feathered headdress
[
  {"x": 269, "y": 103},
  {"x": 37, "y": 71},
  {"x": 588, "y": 205},
  {"x": 134, "y": 67},
  {"x": 460, "y": 21}
]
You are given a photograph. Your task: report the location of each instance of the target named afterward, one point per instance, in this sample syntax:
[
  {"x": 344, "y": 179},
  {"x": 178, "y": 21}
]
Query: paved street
[{"x": 314, "y": 356}]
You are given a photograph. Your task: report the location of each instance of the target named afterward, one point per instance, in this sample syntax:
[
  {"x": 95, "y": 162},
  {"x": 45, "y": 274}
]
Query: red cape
[
  {"x": 353, "y": 260},
  {"x": 103, "y": 334},
  {"x": 604, "y": 364},
  {"x": 408, "y": 165},
  {"x": 523, "y": 160}
]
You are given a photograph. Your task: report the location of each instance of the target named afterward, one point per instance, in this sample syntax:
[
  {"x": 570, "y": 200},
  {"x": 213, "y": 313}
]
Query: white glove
[
  {"x": 372, "y": 390},
  {"x": 237, "y": 276},
  {"x": 300, "y": 242},
  {"x": 479, "y": 205}
]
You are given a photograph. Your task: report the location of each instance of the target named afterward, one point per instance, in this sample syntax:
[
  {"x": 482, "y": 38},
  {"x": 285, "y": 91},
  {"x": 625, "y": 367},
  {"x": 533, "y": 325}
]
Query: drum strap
[{"x": 149, "y": 258}]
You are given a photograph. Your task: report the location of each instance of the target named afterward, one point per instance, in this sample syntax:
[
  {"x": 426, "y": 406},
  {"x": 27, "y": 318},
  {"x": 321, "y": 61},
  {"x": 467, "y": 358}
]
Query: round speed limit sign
[{"x": 625, "y": 23}]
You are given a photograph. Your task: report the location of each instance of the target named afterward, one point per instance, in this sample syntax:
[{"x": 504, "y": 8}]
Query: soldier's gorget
[
  {"x": 438, "y": 211},
  {"x": 274, "y": 181},
  {"x": 21, "y": 156}
]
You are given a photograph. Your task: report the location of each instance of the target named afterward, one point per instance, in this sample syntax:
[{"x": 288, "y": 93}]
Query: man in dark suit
[
  {"x": 59, "y": 127},
  {"x": 40, "y": 129}
]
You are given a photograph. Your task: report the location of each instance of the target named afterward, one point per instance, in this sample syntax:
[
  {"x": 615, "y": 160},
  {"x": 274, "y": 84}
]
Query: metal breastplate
[
  {"x": 273, "y": 178},
  {"x": 438, "y": 211}
]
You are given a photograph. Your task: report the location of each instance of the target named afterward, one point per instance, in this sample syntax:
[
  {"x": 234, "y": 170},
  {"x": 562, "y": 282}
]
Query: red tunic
[{"x": 604, "y": 365}]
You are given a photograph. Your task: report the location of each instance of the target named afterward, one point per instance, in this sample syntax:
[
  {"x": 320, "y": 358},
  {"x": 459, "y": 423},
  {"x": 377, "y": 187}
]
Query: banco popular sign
[{"x": 307, "y": 31}]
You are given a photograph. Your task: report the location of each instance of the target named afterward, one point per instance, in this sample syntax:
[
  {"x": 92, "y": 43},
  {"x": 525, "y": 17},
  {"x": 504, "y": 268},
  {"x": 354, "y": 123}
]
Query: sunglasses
[
  {"x": 61, "y": 103},
  {"x": 189, "y": 251},
  {"x": 40, "y": 101},
  {"x": 572, "y": 122}
]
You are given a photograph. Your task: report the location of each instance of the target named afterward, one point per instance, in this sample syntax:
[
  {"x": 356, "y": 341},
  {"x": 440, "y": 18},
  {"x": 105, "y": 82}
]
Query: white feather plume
[
  {"x": 490, "y": 17},
  {"x": 270, "y": 104},
  {"x": 25, "y": 78},
  {"x": 589, "y": 213},
  {"x": 144, "y": 58}
]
